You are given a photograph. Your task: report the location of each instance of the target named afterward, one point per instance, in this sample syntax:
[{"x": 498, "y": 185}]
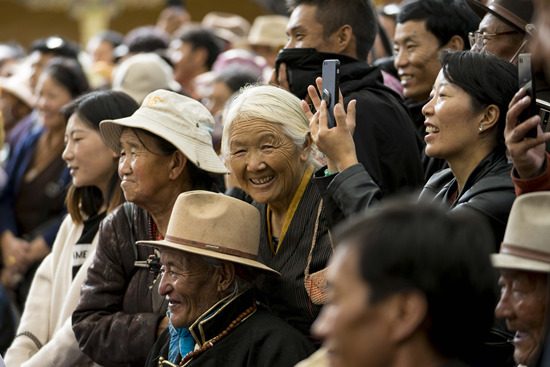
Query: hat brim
[
  {"x": 481, "y": 10},
  {"x": 513, "y": 262},
  {"x": 208, "y": 253},
  {"x": 111, "y": 130}
]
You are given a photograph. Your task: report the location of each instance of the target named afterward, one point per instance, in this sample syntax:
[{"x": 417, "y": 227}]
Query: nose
[
  {"x": 67, "y": 154},
  {"x": 124, "y": 167},
  {"x": 322, "y": 326},
  {"x": 504, "y": 309},
  {"x": 427, "y": 110},
  {"x": 255, "y": 162},
  {"x": 291, "y": 43},
  {"x": 400, "y": 59},
  {"x": 165, "y": 287}
]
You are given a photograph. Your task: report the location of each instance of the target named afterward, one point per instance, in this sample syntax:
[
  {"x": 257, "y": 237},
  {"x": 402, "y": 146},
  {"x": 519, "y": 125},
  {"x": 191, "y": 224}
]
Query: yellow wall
[{"x": 21, "y": 24}]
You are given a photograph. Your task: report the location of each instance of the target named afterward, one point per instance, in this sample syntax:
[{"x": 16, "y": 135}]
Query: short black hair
[
  {"x": 488, "y": 79},
  {"x": 68, "y": 72},
  {"x": 404, "y": 245},
  {"x": 56, "y": 46},
  {"x": 200, "y": 37},
  {"x": 236, "y": 77},
  {"x": 114, "y": 38},
  {"x": 444, "y": 18},
  {"x": 147, "y": 39},
  {"x": 333, "y": 14}
]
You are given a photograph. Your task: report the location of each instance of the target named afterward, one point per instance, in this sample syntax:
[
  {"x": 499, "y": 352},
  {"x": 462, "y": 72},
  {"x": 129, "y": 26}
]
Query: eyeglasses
[{"x": 479, "y": 38}]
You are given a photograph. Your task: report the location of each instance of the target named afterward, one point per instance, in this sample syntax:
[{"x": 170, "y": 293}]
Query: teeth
[
  {"x": 431, "y": 129},
  {"x": 405, "y": 77},
  {"x": 261, "y": 180}
]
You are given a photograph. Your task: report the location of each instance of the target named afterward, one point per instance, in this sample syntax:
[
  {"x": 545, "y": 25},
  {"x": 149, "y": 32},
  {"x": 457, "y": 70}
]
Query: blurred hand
[
  {"x": 14, "y": 252},
  {"x": 528, "y": 154},
  {"x": 280, "y": 79}
]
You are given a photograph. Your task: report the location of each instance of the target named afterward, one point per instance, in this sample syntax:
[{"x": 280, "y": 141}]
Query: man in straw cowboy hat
[
  {"x": 524, "y": 264},
  {"x": 209, "y": 263}
]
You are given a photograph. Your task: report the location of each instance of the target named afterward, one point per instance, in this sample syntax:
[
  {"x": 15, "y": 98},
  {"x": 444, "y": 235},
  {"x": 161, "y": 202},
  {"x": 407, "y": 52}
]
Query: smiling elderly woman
[
  {"x": 208, "y": 265},
  {"x": 267, "y": 146}
]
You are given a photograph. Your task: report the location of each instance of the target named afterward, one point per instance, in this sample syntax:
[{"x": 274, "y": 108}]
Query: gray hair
[
  {"x": 239, "y": 284},
  {"x": 271, "y": 104}
]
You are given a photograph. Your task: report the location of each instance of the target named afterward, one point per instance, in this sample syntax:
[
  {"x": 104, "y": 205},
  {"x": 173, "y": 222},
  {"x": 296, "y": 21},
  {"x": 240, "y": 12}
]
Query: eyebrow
[
  {"x": 295, "y": 28},
  {"x": 409, "y": 38}
]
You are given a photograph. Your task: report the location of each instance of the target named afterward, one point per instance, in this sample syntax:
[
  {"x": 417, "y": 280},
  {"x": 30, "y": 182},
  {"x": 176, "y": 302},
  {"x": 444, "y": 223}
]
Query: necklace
[{"x": 209, "y": 344}]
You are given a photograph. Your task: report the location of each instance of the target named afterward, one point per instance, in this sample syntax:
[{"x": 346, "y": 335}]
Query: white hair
[{"x": 271, "y": 104}]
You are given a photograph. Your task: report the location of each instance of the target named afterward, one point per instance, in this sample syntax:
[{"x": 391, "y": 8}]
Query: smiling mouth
[
  {"x": 261, "y": 181},
  {"x": 405, "y": 78},
  {"x": 431, "y": 129}
]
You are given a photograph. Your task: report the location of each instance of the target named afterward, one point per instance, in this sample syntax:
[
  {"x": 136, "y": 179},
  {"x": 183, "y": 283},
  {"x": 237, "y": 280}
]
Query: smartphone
[
  {"x": 331, "y": 87},
  {"x": 526, "y": 79}
]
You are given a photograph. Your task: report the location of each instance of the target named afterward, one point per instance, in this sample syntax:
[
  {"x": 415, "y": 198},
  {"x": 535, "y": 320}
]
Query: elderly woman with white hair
[{"x": 267, "y": 146}]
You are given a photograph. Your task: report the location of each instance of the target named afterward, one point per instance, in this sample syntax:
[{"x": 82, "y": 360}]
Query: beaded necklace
[{"x": 209, "y": 344}]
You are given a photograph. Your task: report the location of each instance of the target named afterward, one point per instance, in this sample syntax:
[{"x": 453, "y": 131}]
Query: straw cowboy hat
[
  {"x": 526, "y": 244},
  {"x": 516, "y": 13},
  {"x": 18, "y": 85},
  {"x": 268, "y": 30},
  {"x": 181, "y": 120},
  {"x": 214, "y": 225}
]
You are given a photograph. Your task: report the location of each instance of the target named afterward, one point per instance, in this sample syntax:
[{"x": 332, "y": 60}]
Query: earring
[{"x": 480, "y": 127}]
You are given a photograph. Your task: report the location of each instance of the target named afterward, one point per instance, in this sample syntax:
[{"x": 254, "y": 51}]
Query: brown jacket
[{"x": 114, "y": 321}]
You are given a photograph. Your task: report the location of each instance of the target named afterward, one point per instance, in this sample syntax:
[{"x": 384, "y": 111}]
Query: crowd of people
[{"x": 175, "y": 195}]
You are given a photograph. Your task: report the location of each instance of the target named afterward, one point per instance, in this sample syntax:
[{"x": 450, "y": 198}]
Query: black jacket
[
  {"x": 385, "y": 138},
  {"x": 489, "y": 191},
  {"x": 261, "y": 340}
]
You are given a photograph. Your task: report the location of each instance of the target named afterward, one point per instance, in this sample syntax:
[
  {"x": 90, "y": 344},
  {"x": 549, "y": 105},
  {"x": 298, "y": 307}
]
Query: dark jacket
[
  {"x": 385, "y": 137},
  {"x": 52, "y": 199},
  {"x": 262, "y": 340},
  {"x": 114, "y": 321},
  {"x": 488, "y": 191}
]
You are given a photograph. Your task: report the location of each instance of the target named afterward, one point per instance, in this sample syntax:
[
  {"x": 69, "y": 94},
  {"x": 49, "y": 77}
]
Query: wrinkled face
[
  {"x": 90, "y": 161},
  {"x": 187, "y": 285},
  {"x": 523, "y": 304},
  {"x": 451, "y": 124},
  {"x": 265, "y": 161},
  {"x": 143, "y": 170},
  {"x": 416, "y": 51},
  {"x": 354, "y": 332},
  {"x": 505, "y": 45},
  {"x": 304, "y": 31},
  {"x": 51, "y": 96}
]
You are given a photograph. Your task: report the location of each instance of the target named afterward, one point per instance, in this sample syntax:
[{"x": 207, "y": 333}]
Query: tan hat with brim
[
  {"x": 526, "y": 244},
  {"x": 181, "y": 120},
  {"x": 215, "y": 225}
]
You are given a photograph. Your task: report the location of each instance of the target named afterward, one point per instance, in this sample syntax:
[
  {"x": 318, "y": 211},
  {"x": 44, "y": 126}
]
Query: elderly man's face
[
  {"x": 505, "y": 45},
  {"x": 187, "y": 285},
  {"x": 355, "y": 332},
  {"x": 523, "y": 304}
]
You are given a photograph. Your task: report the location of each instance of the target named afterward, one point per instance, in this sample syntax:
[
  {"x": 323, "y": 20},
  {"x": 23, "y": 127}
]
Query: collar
[
  {"x": 219, "y": 316},
  {"x": 290, "y": 211}
]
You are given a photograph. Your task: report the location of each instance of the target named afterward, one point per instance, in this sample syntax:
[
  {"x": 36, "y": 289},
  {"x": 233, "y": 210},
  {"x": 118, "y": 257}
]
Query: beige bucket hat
[
  {"x": 268, "y": 30},
  {"x": 526, "y": 244},
  {"x": 181, "y": 120},
  {"x": 214, "y": 225},
  {"x": 143, "y": 73},
  {"x": 19, "y": 85}
]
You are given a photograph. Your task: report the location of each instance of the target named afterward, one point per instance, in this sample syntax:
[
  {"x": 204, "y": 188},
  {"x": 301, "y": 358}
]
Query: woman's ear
[
  {"x": 226, "y": 276},
  {"x": 177, "y": 164},
  {"x": 489, "y": 118},
  {"x": 306, "y": 147}
]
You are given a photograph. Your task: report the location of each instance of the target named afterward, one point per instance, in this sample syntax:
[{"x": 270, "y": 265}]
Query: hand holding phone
[{"x": 331, "y": 87}]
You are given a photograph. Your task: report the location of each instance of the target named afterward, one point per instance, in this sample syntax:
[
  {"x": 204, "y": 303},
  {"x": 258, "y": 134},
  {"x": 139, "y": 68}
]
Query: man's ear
[
  {"x": 226, "y": 275},
  {"x": 456, "y": 43},
  {"x": 177, "y": 164},
  {"x": 344, "y": 36},
  {"x": 306, "y": 147},
  {"x": 410, "y": 311}
]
